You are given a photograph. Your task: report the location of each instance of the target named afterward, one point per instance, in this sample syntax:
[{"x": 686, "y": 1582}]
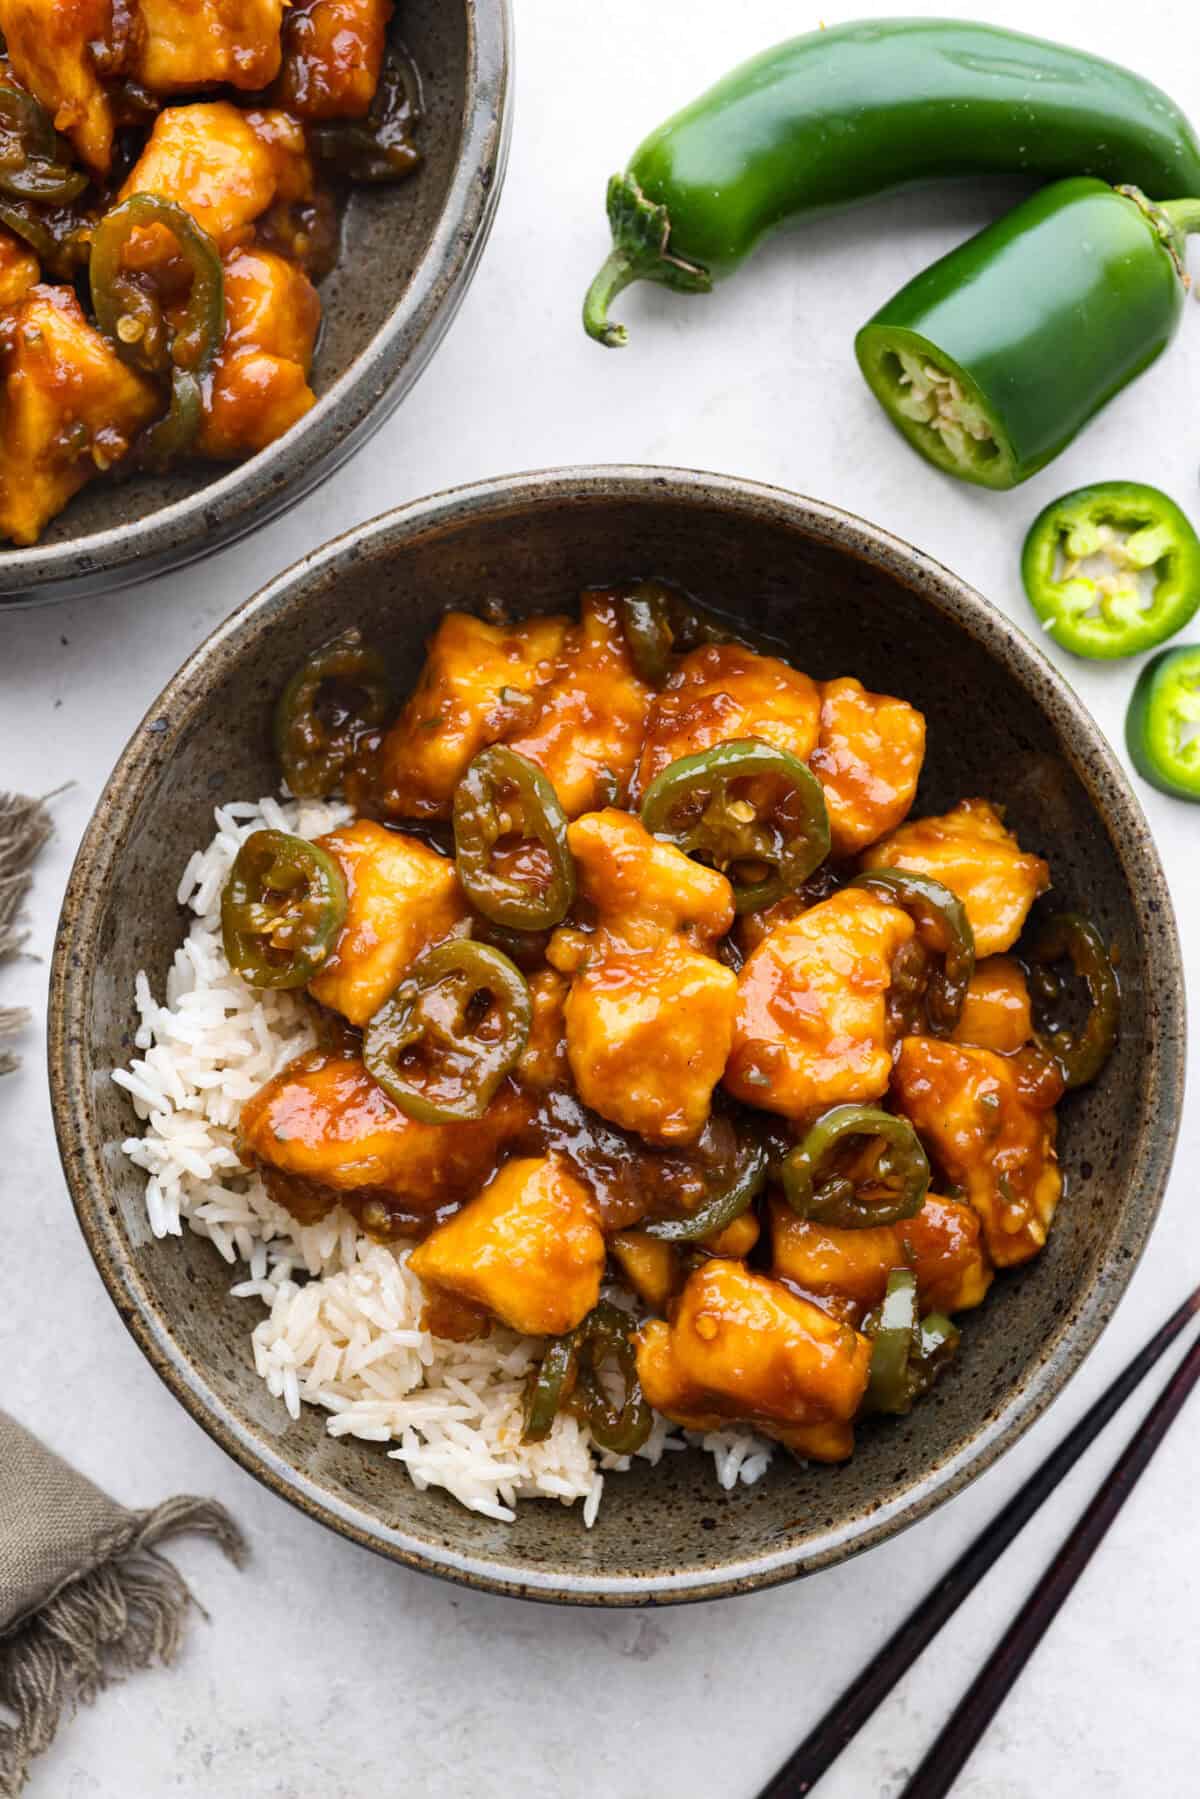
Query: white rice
[{"x": 342, "y": 1329}]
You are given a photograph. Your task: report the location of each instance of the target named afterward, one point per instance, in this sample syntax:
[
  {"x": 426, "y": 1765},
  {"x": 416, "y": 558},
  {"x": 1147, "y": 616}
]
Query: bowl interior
[{"x": 843, "y": 600}]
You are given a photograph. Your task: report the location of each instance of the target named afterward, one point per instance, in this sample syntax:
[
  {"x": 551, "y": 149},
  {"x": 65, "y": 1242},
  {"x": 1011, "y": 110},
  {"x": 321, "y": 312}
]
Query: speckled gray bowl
[
  {"x": 847, "y": 598},
  {"x": 408, "y": 255}
]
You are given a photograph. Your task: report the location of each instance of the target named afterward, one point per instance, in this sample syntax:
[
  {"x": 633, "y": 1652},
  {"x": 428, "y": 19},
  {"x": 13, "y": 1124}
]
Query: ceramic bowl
[
  {"x": 844, "y": 596},
  {"x": 408, "y": 255}
]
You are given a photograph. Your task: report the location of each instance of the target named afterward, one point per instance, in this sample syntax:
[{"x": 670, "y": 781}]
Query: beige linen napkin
[{"x": 85, "y": 1595}]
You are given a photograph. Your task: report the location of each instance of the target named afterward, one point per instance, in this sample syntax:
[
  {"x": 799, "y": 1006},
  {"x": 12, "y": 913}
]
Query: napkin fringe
[
  {"x": 25, "y": 824},
  {"x": 124, "y": 1614},
  {"x": 12, "y": 1020}
]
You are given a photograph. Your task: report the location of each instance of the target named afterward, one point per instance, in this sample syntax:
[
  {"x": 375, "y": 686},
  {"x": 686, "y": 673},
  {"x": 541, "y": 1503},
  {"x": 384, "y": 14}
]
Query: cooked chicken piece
[
  {"x": 259, "y": 386},
  {"x": 224, "y": 166},
  {"x": 332, "y": 57},
  {"x": 323, "y": 1119},
  {"x": 544, "y": 1061},
  {"x": 723, "y": 691},
  {"x": 741, "y": 1347},
  {"x": 69, "y": 408},
  {"x": 969, "y": 851},
  {"x": 737, "y": 1239},
  {"x": 587, "y": 731},
  {"x": 649, "y": 1015},
  {"x": 648, "y": 1032},
  {"x": 753, "y": 928},
  {"x": 475, "y": 689},
  {"x": 283, "y": 138},
  {"x": 402, "y": 898},
  {"x": 528, "y": 1249},
  {"x": 653, "y": 1269},
  {"x": 52, "y": 47},
  {"x": 810, "y": 1029},
  {"x": 996, "y": 1013},
  {"x": 644, "y": 890},
  {"x": 941, "y": 1244},
  {"x": 182, "y": 45},
  {"x": 868, "y": 760},
  {"x": 987, "y": 1121},
  {"x": 19, "y": 269}
]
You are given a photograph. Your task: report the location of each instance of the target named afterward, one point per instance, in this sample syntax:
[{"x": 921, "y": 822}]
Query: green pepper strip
[
  {"x": 647, "y": 628},
  {"x": 569, "y": 1378},
  {"x": 893, "y": 1344},
  {"x": 282, "y": 908},
  {"x": 379, "y": 147},
  {"x": 432, "y": 1049},
  {"x": 1105, "y": 537},
  {"x": 550, "y": 1387},
  {"x": 31, "y": 229},
  {"x": 1162, "y": 727},
  {"x": 942, "y": 925},
  {"x": 38, "y": 170},
  {"x": 658, "y": 619},
  {"x": 833, "y": 1199},
  {"x": 908, "y": 1353},
  {"x": 691, "y": 804},
  {"x": 745, "y": 1183},
  {"x": 1081, "y": 1055},
  {"x": 504, "y": 802},
  {"x": 121, "y": 307},
  {"x": 336, "y": 694}
]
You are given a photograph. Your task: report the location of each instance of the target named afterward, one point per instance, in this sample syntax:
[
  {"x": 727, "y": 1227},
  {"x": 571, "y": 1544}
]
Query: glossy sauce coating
[
  {"x": 401, "y": 899},
  {"x": 332, "y": 57},
  {"x": 669, "y": 1044},
  {"x": 740, "y": 1345},
  {"x": 970, "y": 851},
  {"x": 868, "y": 758},
  {"x": 988, "y": 1122},
  {"x": 71, "y": 408},
  {"x": 529, "y": 1249},
  {"x": 721, "y": 692},
  {"x": 996, "y": 1013},
  {"x": 475, "y": 689},
  {"x": 941, "y": 1244},
  {"x": 587, "y": 730},
  {"x": 811, "y": 1023},
  {"x": 259, "y": 386}
]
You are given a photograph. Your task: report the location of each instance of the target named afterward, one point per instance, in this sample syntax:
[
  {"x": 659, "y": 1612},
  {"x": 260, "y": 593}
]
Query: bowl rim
[
  {"x": 252, "y": 493},
  {"x": 153, "y": 743}
]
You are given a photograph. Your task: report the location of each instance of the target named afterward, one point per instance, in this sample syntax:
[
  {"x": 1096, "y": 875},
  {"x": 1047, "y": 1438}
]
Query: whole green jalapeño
[
  {"x": 843, "y": 115},
  {"x": 1112, "y": 569},
  {"x": 993, "y": 359}
]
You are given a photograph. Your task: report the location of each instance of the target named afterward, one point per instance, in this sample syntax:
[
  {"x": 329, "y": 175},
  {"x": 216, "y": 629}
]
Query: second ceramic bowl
[
  {"x": 844, "y": 597},
  {"x": 408, "y": 254}
]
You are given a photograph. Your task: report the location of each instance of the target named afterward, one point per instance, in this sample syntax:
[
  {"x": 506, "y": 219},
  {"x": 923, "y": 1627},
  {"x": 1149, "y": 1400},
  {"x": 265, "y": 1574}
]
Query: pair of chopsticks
[{"x": 940, "y": 1768}]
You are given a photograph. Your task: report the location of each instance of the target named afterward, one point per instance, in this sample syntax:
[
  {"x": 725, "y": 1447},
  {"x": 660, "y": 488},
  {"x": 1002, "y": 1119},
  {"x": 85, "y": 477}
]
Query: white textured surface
[{"x": 325, "y": 1672}]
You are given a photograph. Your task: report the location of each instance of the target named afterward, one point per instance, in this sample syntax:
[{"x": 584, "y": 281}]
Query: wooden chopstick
[
  {"x": 850, "y": 1711},
  {"x": 983, "y": 1698}
]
